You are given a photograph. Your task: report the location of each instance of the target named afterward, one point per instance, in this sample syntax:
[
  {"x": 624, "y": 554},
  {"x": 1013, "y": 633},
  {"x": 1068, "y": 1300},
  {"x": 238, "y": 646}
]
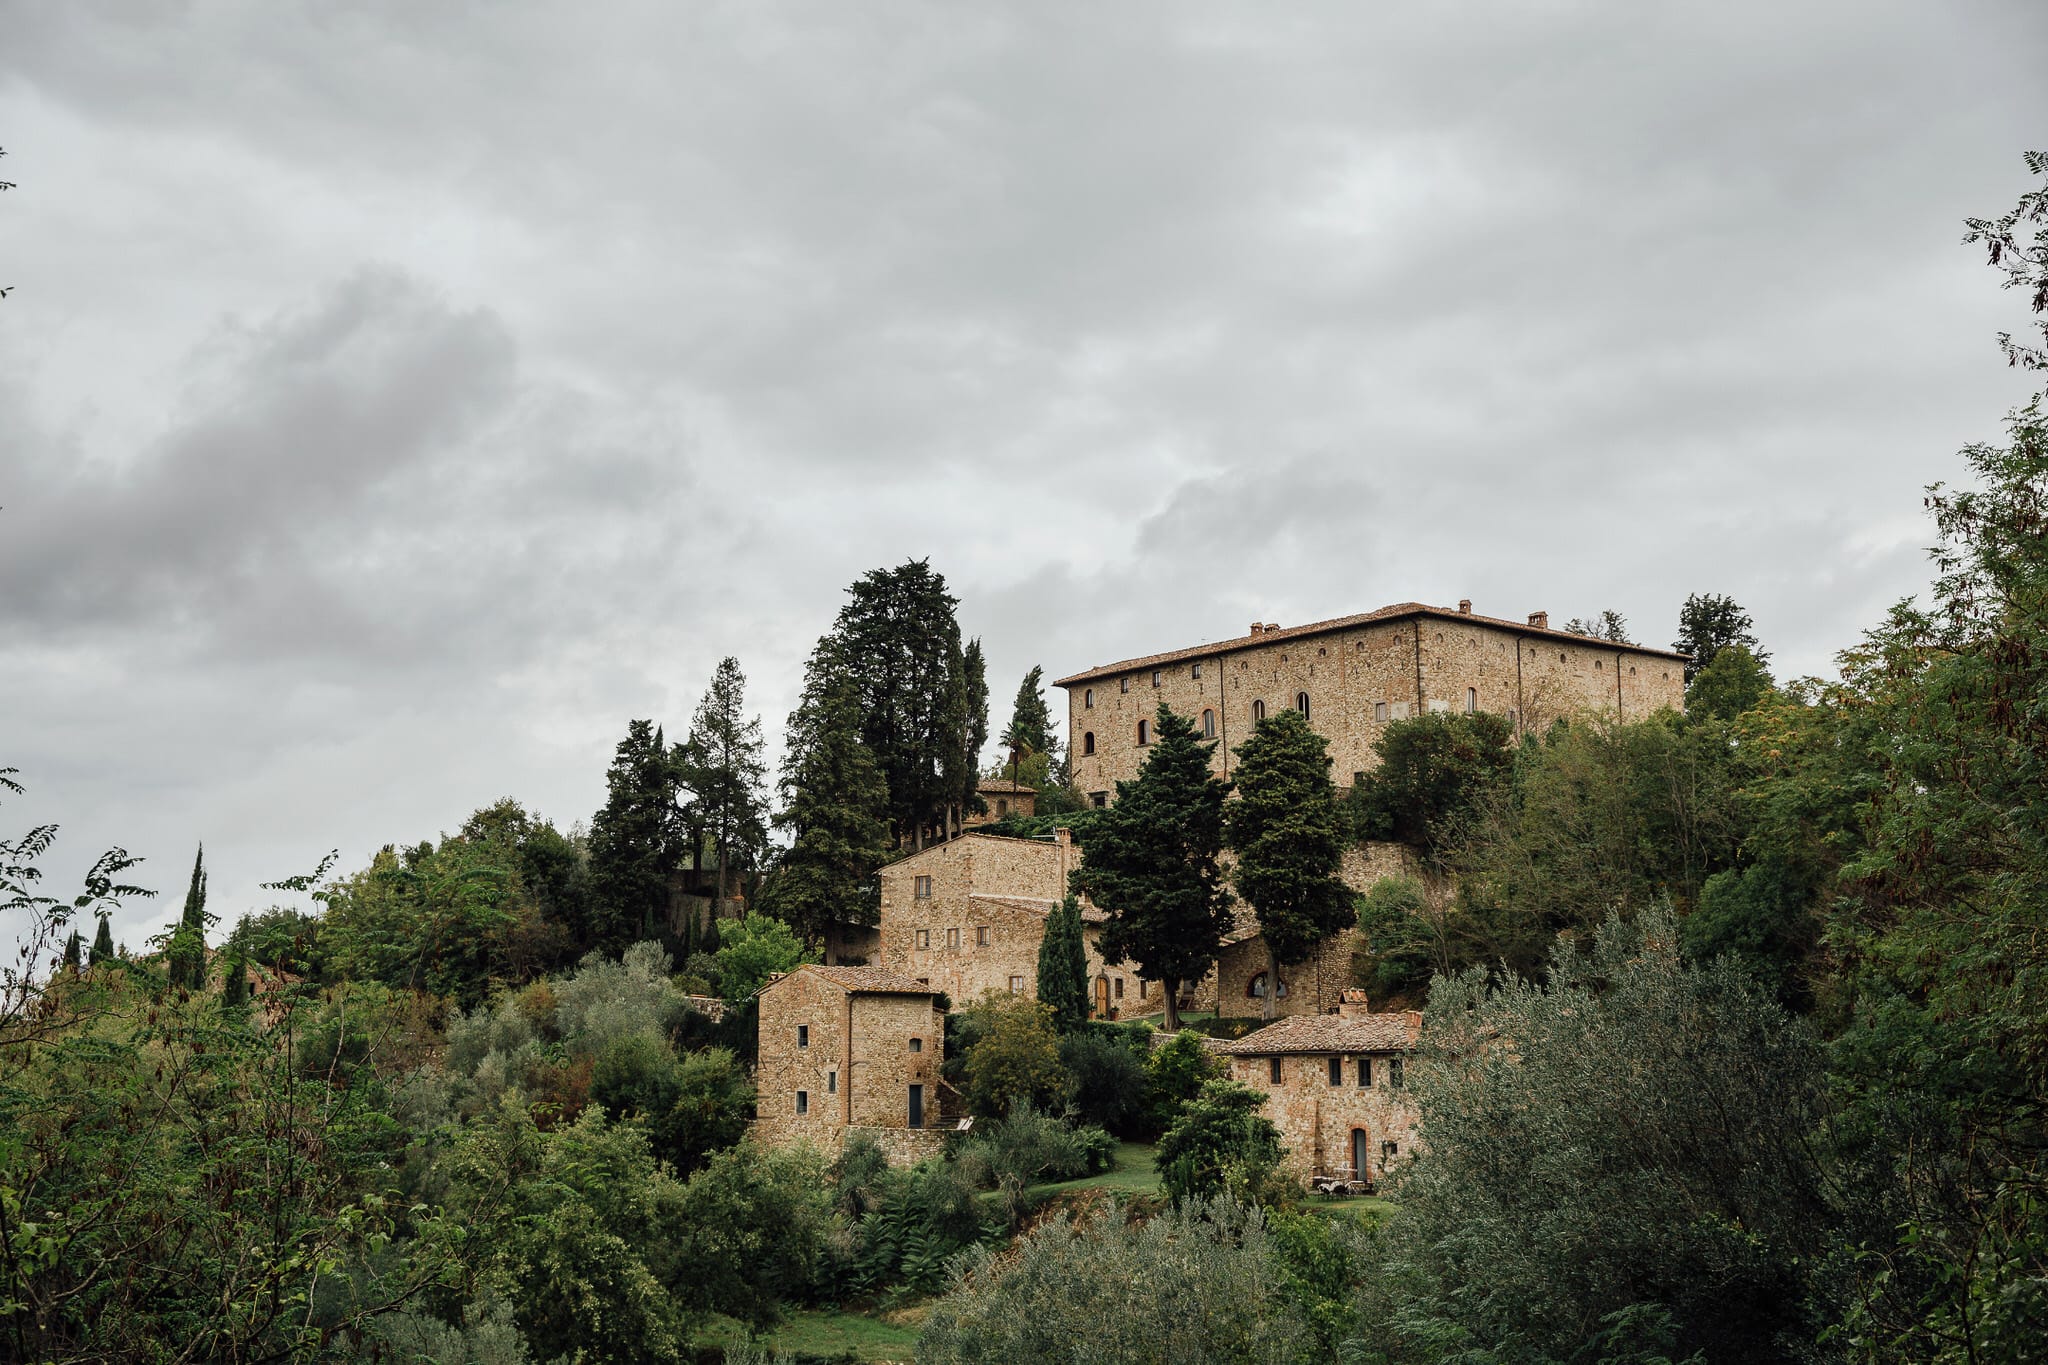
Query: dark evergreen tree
[
  {"x": 971, "y": 727},
  {"x": 102, "y": 944},
  {"x": 1030, "y": 730},
  {"x": 1288, "y": 833},
  {"x": 185, "y": 952},
  {"x": 74, "y": 953},
  {"x": 1063, "y": 967},
  {"x": 634, "y": 845},
  {"x": 900, "y": 644},
  {"x": 835, "y": 805},
  {"x": 726, "y": 774},
  {"x": 234, "y": 979},
  {"x": 1151, "y": 862},
  {"x": 1707, "y": 624}
]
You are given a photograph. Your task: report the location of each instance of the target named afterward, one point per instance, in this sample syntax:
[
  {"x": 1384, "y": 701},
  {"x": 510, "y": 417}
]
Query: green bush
[
  {"x": 1108, "y": 1085},
  {"x": 1222, "y": 1145},
  {"x": 1030, "y": 1146},
  {"x": 1177, "y": 1072}
]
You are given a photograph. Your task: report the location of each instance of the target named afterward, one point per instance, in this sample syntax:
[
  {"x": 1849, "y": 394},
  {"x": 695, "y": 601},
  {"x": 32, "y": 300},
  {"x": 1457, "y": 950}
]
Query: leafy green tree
[
  {"x": 753, "y": 1231},
  {"x": 1015, "y": 1060},
  {"x": 1220, "y": 1145},
  {"x": 1734, "y": 682},
  {"x": 424, "y": 918},
  {"x": 1709, "y": 623},
  {"x": 1108, "y": 1085},
  {"x": 753, "y": 949},
  {"x": 1627, "y": 1139},
  {"x": 1608, "y": 625},
  {"x": 835, "y": 804},
  {"x": 1288, "y": 834},
  {"x": 635, "y": 841},
  {"x": 185, "y": 948},
  {"x": 691, "y": 1106},
  {"x": 1152, "y": 861},
  {"x": 1177, "y": 1073},
  {"x": 726, "y": 774},
  {"x": 1202, "y": 1282},
  {"x": 1393, "y": 916},
  {"x": 1434, "y": 772},
  {"x": 898, "y": 641},
  {"x": 1063, "y": 967}
]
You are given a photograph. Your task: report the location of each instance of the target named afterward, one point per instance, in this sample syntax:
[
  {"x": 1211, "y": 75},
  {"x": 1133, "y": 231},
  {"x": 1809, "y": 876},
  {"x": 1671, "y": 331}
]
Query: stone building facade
[
  {"x": 848, "y": 1051},
  {"x": 1335, "y": 1087},
  {"x": 1354, "y": 675},
  {"x": 966, "y": 917},
  {"x": 1002, "y": 798}
]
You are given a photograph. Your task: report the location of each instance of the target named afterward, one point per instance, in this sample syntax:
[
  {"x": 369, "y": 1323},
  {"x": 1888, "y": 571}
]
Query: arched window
[
  {"x": 1208, "y": 725},
  {"x": 1144, "y": 732},
  {"x": 1088, "y": 698},
  {"x": 1471, "y": 700},
  {"x": 1256, "y": 988},
  {"x": 1258, "y": 710},
  {"x": 1088, "y": 742},
  {"x": 1301, "y": 704}
]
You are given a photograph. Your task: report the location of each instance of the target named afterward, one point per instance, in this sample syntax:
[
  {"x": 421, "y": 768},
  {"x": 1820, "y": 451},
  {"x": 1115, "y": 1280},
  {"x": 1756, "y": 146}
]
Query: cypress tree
[
  {"x": 185, "y": 956},
  {"x": 1288, "y": 833},
  {"x": 723, "y": 768},
  {"x": 1030, "y": 730},
  {"x": 102, "y": 944},
  {"x": 634, "y": 841},
  {"x": 74, "y": 953},
  {"x": 1063, "y": 967},
  {"x": 1151, "y": 860}
]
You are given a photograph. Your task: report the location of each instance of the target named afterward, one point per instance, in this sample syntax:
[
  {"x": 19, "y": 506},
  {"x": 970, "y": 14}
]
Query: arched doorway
[{"x": 1361, "y": 1152}]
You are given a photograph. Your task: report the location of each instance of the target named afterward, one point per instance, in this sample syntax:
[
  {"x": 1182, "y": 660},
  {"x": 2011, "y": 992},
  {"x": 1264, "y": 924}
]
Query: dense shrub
[
  {"x": 1222, "y": 1145},
  {"x": 1108, "y": 1084},
  {"x": 1176, "y": 1074},
  {"x": 1011, "y": 1056}
]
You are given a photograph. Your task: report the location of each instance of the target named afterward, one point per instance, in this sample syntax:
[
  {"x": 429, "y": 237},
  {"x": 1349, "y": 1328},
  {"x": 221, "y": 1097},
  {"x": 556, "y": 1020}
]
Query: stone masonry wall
[
  {"x": 855, "y": 1064},
  {"x": 1346, "y": 672},
  {"x": 1316, "y": 1119}
]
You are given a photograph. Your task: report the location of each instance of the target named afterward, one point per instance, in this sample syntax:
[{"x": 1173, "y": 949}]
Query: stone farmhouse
[
  {"x": 846, "y": 1051},
  {"x": 1335, "y": 1087},
  {"x": 1350, "y": 677},
  {"x": 1001, "y": 798}
]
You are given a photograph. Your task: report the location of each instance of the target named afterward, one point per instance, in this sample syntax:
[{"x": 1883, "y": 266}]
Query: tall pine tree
[
  {"x": 726, "y": 775},
  {"x": 1151, "y": 862},
  {"x": 1063, "y": 967},
  {"x": 899, "y": 642},
  {"x": 635, "y": 841},
  {"x": 1288, "y": 834},
  {"x": 835, "y": 805}
]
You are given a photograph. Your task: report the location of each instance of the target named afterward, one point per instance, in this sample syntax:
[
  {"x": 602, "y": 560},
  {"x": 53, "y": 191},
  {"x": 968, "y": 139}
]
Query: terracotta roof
[
  {"x": 1394, "y": 1031},
  {"x": 862, "y": 980},
  {"x": 1004, "y": 786},
  {"x": 1039, "y": 905},
  {"x": 1393, "y": 613},
  {"x": 965, "y": 835}
]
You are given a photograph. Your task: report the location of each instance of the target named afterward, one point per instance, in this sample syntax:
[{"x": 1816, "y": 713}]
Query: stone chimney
[
  {"x": 1063, "y": 839},
  {"x": 1258, "y": 628},
  {"x": 1540, "y": 620},
  {"x": 1353, "y": 1003},
  {"x": 1464, "y": 606}
]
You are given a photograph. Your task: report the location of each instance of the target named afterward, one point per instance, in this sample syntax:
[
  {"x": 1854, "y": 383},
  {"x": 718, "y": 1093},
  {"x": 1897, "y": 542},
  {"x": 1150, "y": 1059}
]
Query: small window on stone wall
[
  {"x": 1258, "y": 710},
  {"x": 1118, "y": 989},
  {"x": 803, "y": 1101},
  {"x": 1098, "y": 799},
  {"x": 981, "y": 935},
  {"x": 1273, "y": 1070},
  {"x": 1365, "y": 1071},
  {"x": 1256, "y": 988},
  {"x": 1301, "y": 704},
  {"x": 1471, "y": 700},
  {"x": 831, "y": 1082},
  {"x": 1156, "y": 675},
  {"x": 917, "y": 1044},
  {"x": 953, "y": 939},
  {"x": 1144, "y": 732},
  {"x": 803, "y": 1035},
  {"x": 1123, "y": 684},
  {"x": 1208, "y": 725},
  {"x": 921, "y": 888},
  {"x": 1336, "y": 1071},
  {"x": 1379, "y": 711},
  {"x": 1195, "y": 671},
  {"x": 1088, "y": 698},
  {"x": 1016, "y": 985},
  {"x": 1088, "y": 742},
  {"x": 924, "y": 938}
]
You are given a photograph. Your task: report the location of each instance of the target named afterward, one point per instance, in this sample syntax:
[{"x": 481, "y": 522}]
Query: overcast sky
[{"x": 396, "y": 398}]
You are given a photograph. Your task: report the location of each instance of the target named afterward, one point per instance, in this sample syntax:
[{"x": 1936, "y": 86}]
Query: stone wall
[
  {"x": 1316, "y": 1119},
  {"x": 1410, "y": 664}
]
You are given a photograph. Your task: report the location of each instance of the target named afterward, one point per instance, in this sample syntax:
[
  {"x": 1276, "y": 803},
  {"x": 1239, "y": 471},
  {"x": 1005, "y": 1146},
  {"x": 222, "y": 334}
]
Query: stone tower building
[{"x": 1353, "y": 675}]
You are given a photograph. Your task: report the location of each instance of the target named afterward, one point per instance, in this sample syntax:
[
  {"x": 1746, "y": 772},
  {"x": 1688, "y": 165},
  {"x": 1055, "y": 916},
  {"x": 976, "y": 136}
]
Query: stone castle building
[
  {"x": 1353, "y": 675},
  {"x": 848, "y": 1051},
  {"x": 1335, "y": 1087}
]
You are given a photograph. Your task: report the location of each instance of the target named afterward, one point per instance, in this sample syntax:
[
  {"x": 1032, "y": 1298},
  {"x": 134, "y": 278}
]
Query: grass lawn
[
  {"x": 831, "y": 1334},
  {"x": 1135, "y": 1170},
  {"x": 1366, "y": 1207}
]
